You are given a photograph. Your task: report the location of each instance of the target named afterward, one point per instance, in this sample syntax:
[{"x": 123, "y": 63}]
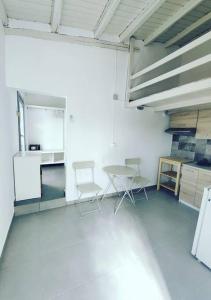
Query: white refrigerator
[{"x": 202, "y": 240}]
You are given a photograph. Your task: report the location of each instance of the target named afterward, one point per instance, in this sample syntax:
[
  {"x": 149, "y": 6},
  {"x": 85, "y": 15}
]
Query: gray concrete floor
[{"x": 142, "y": 253}]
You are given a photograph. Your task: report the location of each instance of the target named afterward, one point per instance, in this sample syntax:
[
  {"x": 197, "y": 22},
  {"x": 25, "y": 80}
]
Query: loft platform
[{"x": 185, "y": 95}]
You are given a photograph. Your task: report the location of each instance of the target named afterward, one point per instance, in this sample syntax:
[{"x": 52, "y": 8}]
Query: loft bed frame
[{"x": 196, "y": 92}]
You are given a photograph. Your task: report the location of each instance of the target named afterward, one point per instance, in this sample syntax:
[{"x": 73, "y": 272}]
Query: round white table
[{"x": 114, "y": 171}]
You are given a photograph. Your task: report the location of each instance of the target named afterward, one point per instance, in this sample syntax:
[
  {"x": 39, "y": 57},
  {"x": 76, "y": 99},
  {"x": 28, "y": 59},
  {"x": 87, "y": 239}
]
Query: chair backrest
[
  {"x": 78, "y": 165},
  {"x": 134, "y": 162},
  {"x": 83, "y": 165}
]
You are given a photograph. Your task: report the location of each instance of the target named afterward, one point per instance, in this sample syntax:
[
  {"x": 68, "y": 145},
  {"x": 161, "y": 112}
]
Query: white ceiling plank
[
  {"x": 172, "y": 20},
  {"x": 3, "y": 14},
  {"x": 184, "y": 103},
  {"x": 189, "y": 29},
  {"x": 106, "y": 17},
  {"x": 56, "y": 15},
  {"x": 141, "y": 19}
]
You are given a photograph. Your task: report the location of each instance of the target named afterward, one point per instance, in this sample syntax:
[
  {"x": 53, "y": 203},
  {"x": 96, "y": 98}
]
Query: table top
[{"x": 119, "y": 170}]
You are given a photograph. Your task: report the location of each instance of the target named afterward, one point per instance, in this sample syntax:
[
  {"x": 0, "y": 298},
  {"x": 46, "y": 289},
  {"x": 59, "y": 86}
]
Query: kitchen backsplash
[{"x": 190, "y": 147}]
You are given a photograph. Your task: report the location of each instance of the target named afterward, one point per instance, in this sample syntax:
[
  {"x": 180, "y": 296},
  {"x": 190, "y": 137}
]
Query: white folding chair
[
  {"x": 88, "y": 187},
  {"x": 138, "y": 181}
]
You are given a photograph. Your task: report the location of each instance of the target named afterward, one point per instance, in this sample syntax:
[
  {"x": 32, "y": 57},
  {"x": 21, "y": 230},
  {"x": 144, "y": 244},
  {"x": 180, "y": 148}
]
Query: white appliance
[{"x": 202, "y": 240}]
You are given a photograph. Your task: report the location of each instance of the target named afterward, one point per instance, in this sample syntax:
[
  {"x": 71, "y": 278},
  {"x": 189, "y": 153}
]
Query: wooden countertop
[{"x": 176, "y": 159}]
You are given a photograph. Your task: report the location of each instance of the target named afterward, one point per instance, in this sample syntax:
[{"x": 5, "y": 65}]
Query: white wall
[
  {"x": 100, "y": 129},
  {"x": 45, "y": 127},
  {"x": 6, "y": 150}
]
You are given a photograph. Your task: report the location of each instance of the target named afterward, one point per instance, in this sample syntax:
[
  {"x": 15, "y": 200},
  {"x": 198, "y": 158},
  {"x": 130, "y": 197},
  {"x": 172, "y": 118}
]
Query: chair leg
[
  {"x": 98, "y": 203},
  {"x": 130, "y": 194},
  {"x": 79, "y": 198},
  {"x": 105, "y": 191},
  {"x": 120, "y": 202},
  {"x": 131, "y": 197},
  {"x": 144, "y": 189},
  {"x": 98, "y": 208},
  {"x": 146, "y": 194},
  {"x": 139, "y": 190}
]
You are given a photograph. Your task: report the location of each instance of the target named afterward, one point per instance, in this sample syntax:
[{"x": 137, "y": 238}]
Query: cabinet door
[
  {"x": 189, "y": 174},
  {"x": 187, "y": 192},
  {"x": 27, "y": 177},
  {"x": 204, "y": 125},
  {"x": 188, "y": 185},
  {"x": 204, "y": 180},
  {"x": 186, "y": 119}
]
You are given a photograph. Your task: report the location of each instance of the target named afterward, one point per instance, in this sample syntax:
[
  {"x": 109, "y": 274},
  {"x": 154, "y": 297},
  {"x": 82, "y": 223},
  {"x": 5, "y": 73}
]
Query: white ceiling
[
  {"x": 82, "y": 14},
  {"x": 111, "y": 20},
  {"x": 126, "y": 12},
  {"x": 31, "y": 10}
]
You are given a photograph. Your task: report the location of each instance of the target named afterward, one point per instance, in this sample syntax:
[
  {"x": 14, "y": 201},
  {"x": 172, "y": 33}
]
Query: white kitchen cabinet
[{"x": 27, "y": 176}]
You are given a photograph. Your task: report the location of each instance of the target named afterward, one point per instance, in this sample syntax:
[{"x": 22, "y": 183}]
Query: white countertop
[
  {"x": 27, "y": 154},
  {"x": 46, "y": 151}
]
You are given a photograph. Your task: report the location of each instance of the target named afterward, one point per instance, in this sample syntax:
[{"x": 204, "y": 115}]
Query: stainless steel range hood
[{"x": 181, "y": 131}]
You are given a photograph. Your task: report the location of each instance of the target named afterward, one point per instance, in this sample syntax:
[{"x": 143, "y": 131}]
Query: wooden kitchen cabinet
[
  {"x": 188, "y": 184},
  {"x": 193, "y": 182},
  {"x": 186, "y": 119},
  {"x": 204, "y": 179},
  {"x": 203, "y": 130},
  {"x": 189, "y": 174}
]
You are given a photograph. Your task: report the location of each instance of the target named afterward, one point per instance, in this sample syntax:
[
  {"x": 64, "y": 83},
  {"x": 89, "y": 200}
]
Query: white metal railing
[
  {"x": 187, "y": 67},
  {"x": 196, "y": 63}
]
